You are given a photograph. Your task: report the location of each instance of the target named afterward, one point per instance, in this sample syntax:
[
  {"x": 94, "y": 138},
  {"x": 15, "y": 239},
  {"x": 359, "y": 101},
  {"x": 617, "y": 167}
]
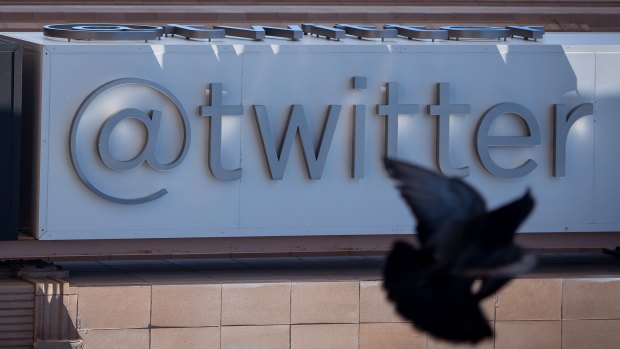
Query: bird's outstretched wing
[
  {"x": 491, "y": 251},
  {"x": 500, "y": 225},
  {"x": 437, "y": 202}
]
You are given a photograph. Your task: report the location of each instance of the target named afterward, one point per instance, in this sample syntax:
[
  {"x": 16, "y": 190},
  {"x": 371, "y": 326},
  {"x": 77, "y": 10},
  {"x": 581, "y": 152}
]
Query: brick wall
[{"x": 530, "y": 313}]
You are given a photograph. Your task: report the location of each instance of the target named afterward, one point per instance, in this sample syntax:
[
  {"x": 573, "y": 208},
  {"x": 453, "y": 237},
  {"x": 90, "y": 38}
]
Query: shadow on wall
[
  {"x": 9, "y": 174},
  {"x": 55, "y": 317},
  {"x": 37, "y": 307},
  {"x": 55, "y": 307},
  {"x": 10, "y": 116}
]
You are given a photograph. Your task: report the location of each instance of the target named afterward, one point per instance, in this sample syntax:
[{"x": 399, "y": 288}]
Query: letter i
[{"x": 359, "y": 132}]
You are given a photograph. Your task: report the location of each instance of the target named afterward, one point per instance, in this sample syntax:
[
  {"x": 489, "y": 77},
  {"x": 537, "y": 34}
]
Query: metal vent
[{"x": 16, "y": 313}]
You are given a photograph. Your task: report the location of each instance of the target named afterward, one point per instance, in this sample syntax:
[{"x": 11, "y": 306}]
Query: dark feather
[
  {"x": 434, "y": 300},
  {"x": 438, "y": 203},
  {"x": 460, "y": 242}
]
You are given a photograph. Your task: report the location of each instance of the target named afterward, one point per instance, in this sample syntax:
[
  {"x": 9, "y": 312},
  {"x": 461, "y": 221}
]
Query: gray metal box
[{"x": 93, "y": 106}]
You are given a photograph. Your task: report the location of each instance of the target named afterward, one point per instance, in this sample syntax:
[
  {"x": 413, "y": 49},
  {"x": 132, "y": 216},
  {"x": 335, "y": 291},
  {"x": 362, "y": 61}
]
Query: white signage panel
[{"x": 189, "y": 138}]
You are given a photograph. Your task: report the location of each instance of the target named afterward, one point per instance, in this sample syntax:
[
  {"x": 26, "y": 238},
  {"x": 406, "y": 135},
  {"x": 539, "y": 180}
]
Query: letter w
[{"x": 297, "y": 124}]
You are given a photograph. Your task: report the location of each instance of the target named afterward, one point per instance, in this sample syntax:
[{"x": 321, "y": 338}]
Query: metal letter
[
  {"x": 255, "y": 33},
  {"x": 359, "y": 82},
  {"x": 527, "y": 32},
  {"x": 563, "y": 123},
  {"x": 321, "y": 30},
  {"x": 484, "y": 141},
  {"x": 391, "y": 110},
  {"x": 73, "y": 144},
  {"x": 367, "y": 31},
  {"x": 477, "y": 32},
  {"x": 95, "y": 31},
  {"x": 194, "y": 31},
  {"x": 443, "y": 111},
  {"x": 315, "y": 160},
  {"x": 216, "y": 111},
  {"x": 418, "y": 32},
  {"x": 359, "y": 131},
  {"x": 292, "y": 32},
  {"x": 359, "y": 140}
]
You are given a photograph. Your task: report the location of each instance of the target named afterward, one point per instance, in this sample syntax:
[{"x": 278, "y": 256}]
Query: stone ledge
[
  {"x": 58, "y": 344},
  {"x": 158, "y": 304}
]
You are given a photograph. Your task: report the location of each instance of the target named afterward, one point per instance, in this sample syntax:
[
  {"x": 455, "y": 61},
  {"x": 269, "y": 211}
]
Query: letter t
[
  {"x": 443, "y": 111},
  {"x": 216, "y": 110},
  {"x": 391, "y": 110}
]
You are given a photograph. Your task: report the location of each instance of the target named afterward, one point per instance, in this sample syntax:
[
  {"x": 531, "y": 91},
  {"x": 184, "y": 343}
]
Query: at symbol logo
[{"x": 151, "y": 122}]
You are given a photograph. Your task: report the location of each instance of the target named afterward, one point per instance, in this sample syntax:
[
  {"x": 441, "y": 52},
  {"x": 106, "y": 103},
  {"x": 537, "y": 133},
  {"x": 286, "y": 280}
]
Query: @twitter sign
[{"x": 237, "y": 137}]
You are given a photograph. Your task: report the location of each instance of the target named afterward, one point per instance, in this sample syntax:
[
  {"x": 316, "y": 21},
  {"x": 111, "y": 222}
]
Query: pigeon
[{"x": 465, "y": 254}]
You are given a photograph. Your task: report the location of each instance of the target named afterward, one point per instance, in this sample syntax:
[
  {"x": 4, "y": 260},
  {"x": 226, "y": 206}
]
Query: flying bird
[{"x": 465, "y": 254}]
